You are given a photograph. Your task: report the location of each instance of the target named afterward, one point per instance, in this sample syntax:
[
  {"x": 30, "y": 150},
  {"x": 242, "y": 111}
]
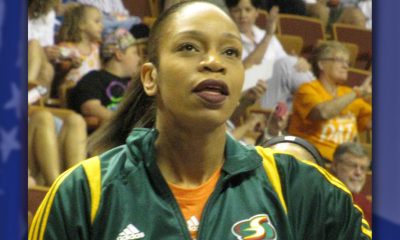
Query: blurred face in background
[
  {"x": 130, "y": 60},
  {"x": 244, "y": 15},
  {"x": 352, "y": 171},
  {"x": 92, "y": 25},
  {"x": 335, "y": 66}
]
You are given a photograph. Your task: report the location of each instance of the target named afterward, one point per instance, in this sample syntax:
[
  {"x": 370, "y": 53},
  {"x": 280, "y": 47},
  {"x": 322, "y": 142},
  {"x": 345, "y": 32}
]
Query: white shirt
[
  {"x": 284, "y": 82},
  {"x": 274, "y": 50},
  {"x": 107, "y": 6},
  {"x": 42, "y": 29}
]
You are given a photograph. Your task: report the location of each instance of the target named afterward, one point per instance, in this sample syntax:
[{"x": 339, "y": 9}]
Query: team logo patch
[{"x": 258, "y": 227}]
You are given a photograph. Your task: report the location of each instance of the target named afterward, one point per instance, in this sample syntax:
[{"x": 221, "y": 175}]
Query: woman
[
  {"x": 157, "y": 185},
  {"x": 325, "y": 112}
]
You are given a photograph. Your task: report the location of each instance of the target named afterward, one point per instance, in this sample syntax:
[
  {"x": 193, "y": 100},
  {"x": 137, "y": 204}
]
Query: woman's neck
[
  {"x": 329, "y": 85},
  {"x": 189, "y": 158}
]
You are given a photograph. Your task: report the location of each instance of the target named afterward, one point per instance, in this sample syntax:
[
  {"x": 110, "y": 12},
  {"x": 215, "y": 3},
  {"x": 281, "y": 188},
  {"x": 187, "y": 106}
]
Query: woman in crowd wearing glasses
[{"x": 325, "y": 112}]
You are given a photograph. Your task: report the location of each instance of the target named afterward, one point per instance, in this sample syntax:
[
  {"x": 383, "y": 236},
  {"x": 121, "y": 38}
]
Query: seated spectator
[
  {"x": 353, "y": 16},
  {"x": 325, "y": 112},
  {"x": 258, "y": 45},
  {"x": 99, "y": 92},
  {"x": 54, "y": 144},
  {"x": 351, "y": 164},
  {"x": 115, "y": 15},
  {"x": 320, "y": 11},
  {"x": 337, "y": 8},
  {"x": 79, "y": 39},
  {"x": 262, "y": 46}
]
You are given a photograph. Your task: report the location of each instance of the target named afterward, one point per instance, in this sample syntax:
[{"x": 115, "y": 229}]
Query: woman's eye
[
  {"x": 187, "y": 47},
  {"x": 232, "y": 52}
]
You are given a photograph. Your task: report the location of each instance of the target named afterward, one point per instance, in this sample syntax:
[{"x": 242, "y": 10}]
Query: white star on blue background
[
  {"x": 8, "y": 143},
  {"x": 15, "y": 100}
]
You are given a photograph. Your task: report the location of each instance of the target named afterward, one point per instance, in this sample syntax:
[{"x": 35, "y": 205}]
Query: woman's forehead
[
  {"x": 202, "y": 14},
  {"x": 340, "y": 53}
]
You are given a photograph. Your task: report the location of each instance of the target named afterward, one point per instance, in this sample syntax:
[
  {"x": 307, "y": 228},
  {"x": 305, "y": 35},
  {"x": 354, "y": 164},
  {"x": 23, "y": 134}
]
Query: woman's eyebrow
[
  {"x": 231, "y": 35},
  {"x": 195, "y": 33}
]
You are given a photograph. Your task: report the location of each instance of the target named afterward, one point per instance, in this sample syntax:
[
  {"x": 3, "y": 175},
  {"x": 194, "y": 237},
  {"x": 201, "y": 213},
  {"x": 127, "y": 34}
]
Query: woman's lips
[
  {"x": 211, "y": 97},
  {"x": 212, "y": 91}
]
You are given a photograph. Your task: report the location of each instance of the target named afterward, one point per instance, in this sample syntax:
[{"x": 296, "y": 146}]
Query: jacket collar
[{"x": 238, "y": 158}]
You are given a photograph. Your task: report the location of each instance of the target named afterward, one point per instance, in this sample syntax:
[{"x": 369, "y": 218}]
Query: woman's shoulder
[
  {"x": 311, "y": 85},
  {"x": 100, "y": 170},
  {"x": 291, "y": 169}
]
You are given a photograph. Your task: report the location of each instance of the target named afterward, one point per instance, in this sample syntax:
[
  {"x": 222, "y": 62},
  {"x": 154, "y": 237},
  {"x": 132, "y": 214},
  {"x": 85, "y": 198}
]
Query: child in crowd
[
  {"x": 99, "y": 93},
  {"x": 115, "y": 14},
  {"x": 79, "y": 38}
]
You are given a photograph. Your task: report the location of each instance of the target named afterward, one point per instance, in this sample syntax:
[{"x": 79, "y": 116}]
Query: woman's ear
[{"x": 148, "y": 76}]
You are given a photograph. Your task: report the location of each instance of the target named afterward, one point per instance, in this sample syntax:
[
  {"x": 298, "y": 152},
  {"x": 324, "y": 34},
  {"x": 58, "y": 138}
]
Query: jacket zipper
[{"x": 208, "y": 206}]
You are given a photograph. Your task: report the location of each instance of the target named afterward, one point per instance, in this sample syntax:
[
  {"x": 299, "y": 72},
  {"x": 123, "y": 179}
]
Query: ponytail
[{"x": 136, "y": 110}]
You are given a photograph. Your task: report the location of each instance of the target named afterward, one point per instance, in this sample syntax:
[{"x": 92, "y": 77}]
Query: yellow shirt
[{"x": 327, "y": 134}]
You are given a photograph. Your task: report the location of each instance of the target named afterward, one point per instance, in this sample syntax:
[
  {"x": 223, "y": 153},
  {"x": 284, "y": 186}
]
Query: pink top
[{"x": 90, "y": 62}]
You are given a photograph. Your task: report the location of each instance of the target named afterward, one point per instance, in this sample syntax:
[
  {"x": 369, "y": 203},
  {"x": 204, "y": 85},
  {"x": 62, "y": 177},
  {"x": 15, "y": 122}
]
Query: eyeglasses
[
  {"x": 353, "y": 166},
  {"x": 339, "y": 60}
]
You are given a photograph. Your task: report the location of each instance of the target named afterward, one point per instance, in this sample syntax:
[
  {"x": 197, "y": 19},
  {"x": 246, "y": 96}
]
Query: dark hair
[
  {"x": 140, "y": 30},
  {"x": 233, "y": 3},
  {"x": 137, "y": 109},
  {"x": 353, "y": 148}
]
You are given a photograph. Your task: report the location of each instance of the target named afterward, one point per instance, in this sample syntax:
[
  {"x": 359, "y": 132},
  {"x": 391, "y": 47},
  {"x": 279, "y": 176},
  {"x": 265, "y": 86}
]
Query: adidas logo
[
  {"x": 130, "y": 233},
  {"x": 193, "y": 224}
]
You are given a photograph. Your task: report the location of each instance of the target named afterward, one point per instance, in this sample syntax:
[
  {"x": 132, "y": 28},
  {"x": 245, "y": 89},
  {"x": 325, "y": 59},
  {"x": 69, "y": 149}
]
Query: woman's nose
[{"x": 212, "y": 62}]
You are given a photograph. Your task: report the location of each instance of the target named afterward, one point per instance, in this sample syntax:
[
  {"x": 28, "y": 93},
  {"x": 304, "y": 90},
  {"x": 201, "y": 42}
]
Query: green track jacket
[{"x": 260, "y": 195}]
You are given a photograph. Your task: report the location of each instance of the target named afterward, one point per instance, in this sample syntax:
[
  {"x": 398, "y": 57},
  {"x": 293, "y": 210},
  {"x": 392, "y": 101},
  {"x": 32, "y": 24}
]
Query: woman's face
[
  {"x": 335, "y": 66},
  {"x": 200, "y": 72},
  {"x": 244, "y": 15}
]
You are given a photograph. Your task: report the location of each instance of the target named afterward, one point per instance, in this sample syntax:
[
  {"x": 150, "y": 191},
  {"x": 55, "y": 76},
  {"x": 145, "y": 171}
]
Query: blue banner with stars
[{"x": 13, "y": 171}]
